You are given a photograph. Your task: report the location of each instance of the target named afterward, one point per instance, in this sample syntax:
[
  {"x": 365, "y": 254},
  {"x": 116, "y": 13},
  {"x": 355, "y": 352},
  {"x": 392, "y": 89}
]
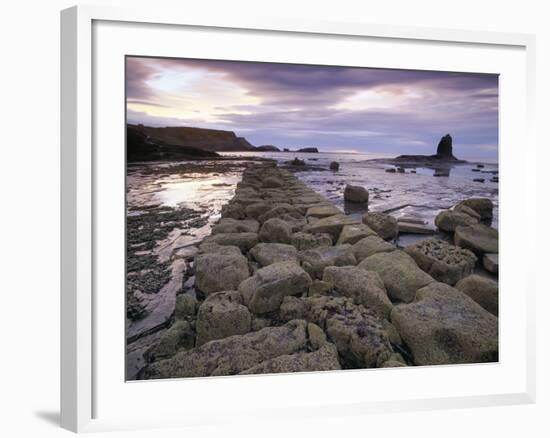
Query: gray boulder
[
  {"x": 478, "y": 238},
  {"x": 269, "y": 253},
  {"x": 482, "y": 206},
  {"x": 369, "y": 246},
  {"x": 482, "y": 290},
  {"x": 232, "y": 355},
  {"x": 216, "y": 272},
  {"x": 401, "y": 275},
  {"x": 463, "y": 208},
  {"x": 445, "y": 326},
  {"x": 186, "y": 306},
  {"x": 257, "y": 209},
  {"x": 490, "y": 262},
  {"x": 244, "y": 241},
  {"x": 265, "y": 290},
  {"x": 331, "y": 225},
  {"x": 444, "y": 262},
  {"x": 353, "y": 233},
  {"x": 275, "y": 230},
  {"x": 448, "y": 220},
  {"x": 278, "y": 210},
  {"x": 363, "y": 287},
  {"x": 383, "y": 224},
  {"x": 177, "y": 337},
  {"x": 221, "y": 315},
  {"x": 229, "y": 225},
  {"x": 303, "y": 241},
  {"x": 356, "y": 194},
  {"x": 314, "y": 261}
]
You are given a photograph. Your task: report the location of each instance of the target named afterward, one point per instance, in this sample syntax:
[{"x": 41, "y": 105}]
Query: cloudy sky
[{"x": 332, "y": 108}]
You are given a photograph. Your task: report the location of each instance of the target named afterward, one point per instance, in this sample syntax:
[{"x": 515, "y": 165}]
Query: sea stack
[{"x": 445, "y": 147}]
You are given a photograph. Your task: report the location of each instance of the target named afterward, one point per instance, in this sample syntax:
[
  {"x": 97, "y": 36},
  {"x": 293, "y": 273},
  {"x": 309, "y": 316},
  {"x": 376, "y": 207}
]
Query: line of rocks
[{"x": 286, "y": 282}]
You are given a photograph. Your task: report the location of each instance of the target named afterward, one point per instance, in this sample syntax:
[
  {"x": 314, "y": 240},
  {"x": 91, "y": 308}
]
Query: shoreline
[{"x": 177, "y": 325}]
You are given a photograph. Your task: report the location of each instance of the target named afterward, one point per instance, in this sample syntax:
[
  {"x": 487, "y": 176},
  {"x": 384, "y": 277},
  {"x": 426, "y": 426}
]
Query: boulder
[
  {"x": 444, "y": 262},
  {"x": 272, "y": 182},
  {"x": 275, "y": 230},
  {"x": 401, "y": 275},
  {"x": 445, "y": 326},
  {"x": 229, "y": 225},
  {"x": 482, "y": 290},
  {"x": 314, "y": 261},
  {"x": 278, "y": 210},
  {"x": 478, "y": 238},
  {"x": 232, "y": 355},
  {"x": 369, "y": 246},
  {"x": 414, "y": 228},
  {"x": 334, "y": 165},
  {"x": 490, "y": 262},
  {"x": 257, "y": 209},
  {"x": 304, "y": 241},
  {"x": 177, "y": 337},
  {"x": 216, "y": 272},
  {"x": 212, "y": 247},
  {"x": 265, "y": 290},
  {"x": 353, "y": 233},
  {"x": 296, "y": 223},
  {"x": 269, "y": 253},
  {"x": 363, "y": 287},
  {"x": 383, "y": 224},
  {"x": 221, "y": 315},
  {"x": 317, "y": 337},
  {"x": 482, "y": 206},
  {"x": 323, "y": 359},
  {"x": 356, "y": 194},
  {"x": 322, "y": 211},
  {"x": 331, "y": 225},
  {"x": 319, "y": 287},
  {"x": 463, "y": 208},
  {"x": 448, "y": 220},
  {"x": 244, "y": 241},
  {"x": 186, "y": 306}
]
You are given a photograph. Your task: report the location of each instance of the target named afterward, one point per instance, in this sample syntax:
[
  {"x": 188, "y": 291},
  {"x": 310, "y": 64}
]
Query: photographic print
[{"x": 301, "y": 218}]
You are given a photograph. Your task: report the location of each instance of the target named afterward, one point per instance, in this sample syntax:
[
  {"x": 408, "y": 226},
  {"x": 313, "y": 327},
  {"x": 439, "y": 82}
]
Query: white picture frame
[{"x": 81, "y": 375}]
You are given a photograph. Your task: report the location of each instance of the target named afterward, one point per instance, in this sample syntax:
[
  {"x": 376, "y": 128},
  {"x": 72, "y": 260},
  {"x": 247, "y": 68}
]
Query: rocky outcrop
[
  {"x": 444, "y": 153},
  {"x": 444, "y": 262},
  {"x": 268, "y": 148},
  {"x": 445, "y": 326},
  {"x": 445, "y": 148}
]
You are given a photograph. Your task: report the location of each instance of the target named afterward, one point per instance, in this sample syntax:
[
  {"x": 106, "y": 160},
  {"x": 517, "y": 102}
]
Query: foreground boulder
[
  {"x": 232, "y": 355},
  {"x": 323, "y": 359},
  {"x": 314, "y": 261},
  {"x": 216, "y": 272},
  {"x": 445, "y": 326},
  {"x": 369, "y": 246},
  {"x": 383, "y": 224},
  {"x": 303, "y": 241},
  {"x": 179, "y": 336},
  {"x": 265, "y": 290},
  {"x": 448, "y": 220},
  {"x": 478, "y": 238},
  {"x": 356, "y": 194},
  {"x": 482, "y": 206},
  {"x": 276, "y": 230},
  {"x": 221, "y": 315},
  {"x": 482, "y": 290},
  {"x": 444, "y": 262},
  {"x": 353, "y": 233},
  {"x": 363, "y": 287},
  {"x": 401, "y": 275},
  {"x": 268, "y": 253}
]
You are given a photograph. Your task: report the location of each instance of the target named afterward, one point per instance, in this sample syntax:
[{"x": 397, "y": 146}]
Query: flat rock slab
[
  {"x": 265, "y": 290},
  {"x": 444, "y": 262},
  {"x": 363, "y": 287},
  {"x": 478, "y": 238},
  {"x": 234, "y": 354},
  {"x": 331, "y": 225},
  {"x": 268, "y": 253},
  {"x": 445, "y": 326},
  {"x": 414, "y": 228},
  {"x": 399, "y": 272},
  {"x": 159, "y": 306},
  {"x": 314, "y": 261}
]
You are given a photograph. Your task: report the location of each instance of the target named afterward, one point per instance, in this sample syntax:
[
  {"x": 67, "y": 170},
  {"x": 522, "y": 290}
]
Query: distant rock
[
  {"x": 444, "y": 153},
  {"x": 334, "y": 165},
  {"x": 268, "y": 148},
  {"x": 296, "y": 162},
  {"x": 445, "y": 147},
  {"x": 309, "y": 150},
  {"x": 356, "y": 194}
]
